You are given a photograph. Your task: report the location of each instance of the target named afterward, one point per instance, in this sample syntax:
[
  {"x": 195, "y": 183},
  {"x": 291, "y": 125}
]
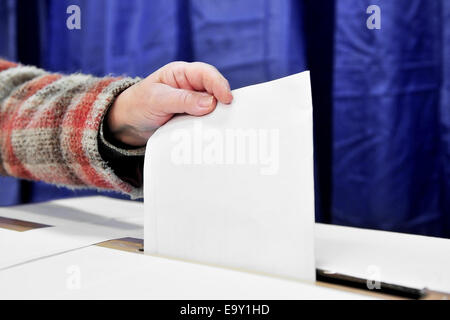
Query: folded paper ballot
[{"x": 235, "y": 188}]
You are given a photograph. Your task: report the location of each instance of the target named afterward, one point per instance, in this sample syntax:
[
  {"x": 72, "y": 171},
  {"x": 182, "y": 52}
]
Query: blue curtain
[
  {"x": 381, "y": 97},
  {"x": 8, "y": 28},
  {"x": 249, "y": 41},
  {"x": 9, "y": 187},
  {"x": 391, "y": 106}
]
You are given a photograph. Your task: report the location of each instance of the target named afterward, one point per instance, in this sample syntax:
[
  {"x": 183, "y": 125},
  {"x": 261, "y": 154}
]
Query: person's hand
[{"x": 178, "y": 87}]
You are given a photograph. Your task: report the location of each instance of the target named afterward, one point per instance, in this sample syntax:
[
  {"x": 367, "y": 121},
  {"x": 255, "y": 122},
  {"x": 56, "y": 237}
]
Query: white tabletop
[{"x": 59, "y": 262}]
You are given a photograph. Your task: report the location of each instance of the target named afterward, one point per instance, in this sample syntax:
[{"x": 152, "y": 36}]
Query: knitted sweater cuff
[
  {"x": 127, "y": 162},
  {"x": 105, "y": 174}
]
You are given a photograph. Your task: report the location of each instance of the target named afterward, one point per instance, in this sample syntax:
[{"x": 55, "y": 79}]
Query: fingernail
[{"x": 205, "y": 102}]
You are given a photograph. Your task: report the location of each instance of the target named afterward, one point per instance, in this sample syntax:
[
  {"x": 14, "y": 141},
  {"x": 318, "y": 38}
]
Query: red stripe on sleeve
[
  {"x": 8, "y": 125},
  {"x": 4, "y": 65},
  {"x": 79, "y": 116}
]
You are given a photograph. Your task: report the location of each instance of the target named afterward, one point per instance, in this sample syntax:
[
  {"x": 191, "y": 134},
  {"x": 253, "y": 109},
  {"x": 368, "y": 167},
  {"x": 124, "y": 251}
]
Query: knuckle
[
  {"x": 186, "y": 97},
  {"x": 174, "y": 65},
  {"x": 200, "y": 65},
  {"x": 178, "y": 64},
  {"x": 178, "y": 72}
]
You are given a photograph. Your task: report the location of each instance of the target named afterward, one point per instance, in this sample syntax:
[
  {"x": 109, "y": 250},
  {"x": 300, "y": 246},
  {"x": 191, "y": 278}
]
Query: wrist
[
  {"x": 114, "y": 117},
  {"x": 118, "y": 123}
]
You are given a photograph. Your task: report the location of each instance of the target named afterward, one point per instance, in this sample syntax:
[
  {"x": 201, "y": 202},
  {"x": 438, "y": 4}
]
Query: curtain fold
[
  {"x": 444, "y": 117},
  {"x": 390, "y": 110}
]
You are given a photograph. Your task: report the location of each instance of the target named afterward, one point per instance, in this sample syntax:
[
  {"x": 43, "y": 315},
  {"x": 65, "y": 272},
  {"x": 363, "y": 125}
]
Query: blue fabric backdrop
[{"x": 389, "y": 106}]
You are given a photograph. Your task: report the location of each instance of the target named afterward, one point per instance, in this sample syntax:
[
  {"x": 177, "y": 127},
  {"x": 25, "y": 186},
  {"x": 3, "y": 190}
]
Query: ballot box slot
[
  {"x": 360, "y": 283},
  {"x": 124, "y": 244}
]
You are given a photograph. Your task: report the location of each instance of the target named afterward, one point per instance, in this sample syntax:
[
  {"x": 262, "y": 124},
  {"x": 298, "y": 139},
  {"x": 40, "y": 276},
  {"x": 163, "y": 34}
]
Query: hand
[{"x": 178, "y": 87}]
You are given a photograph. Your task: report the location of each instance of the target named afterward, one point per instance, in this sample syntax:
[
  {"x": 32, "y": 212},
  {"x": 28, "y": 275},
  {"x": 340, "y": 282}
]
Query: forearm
[{"x": 49, "y": 125}]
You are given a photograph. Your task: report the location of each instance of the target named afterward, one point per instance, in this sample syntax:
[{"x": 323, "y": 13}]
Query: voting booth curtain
[
  {"x": 381, "y": 96},
  {"x": 391, "y": 117}
]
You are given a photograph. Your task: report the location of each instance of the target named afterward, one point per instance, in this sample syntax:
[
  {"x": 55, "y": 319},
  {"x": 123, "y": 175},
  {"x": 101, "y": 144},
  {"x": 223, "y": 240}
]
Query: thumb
[{"x": 171, "y": 100}]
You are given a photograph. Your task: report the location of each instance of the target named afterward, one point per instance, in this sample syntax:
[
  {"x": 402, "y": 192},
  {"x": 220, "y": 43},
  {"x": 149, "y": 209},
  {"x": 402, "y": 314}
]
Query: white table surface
[{"x": 66, "y": 254}]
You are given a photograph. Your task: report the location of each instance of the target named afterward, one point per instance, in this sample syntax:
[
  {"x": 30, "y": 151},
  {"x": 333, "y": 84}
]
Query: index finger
[{"x": 204, "y": 77}]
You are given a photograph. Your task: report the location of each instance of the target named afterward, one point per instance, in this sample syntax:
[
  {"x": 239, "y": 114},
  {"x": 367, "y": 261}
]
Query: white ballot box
[{"x": 235, "y": 188}]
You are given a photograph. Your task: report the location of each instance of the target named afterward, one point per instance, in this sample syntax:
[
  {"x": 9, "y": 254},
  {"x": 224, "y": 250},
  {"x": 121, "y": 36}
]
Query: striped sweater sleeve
[{"x": 49, "y": 125}]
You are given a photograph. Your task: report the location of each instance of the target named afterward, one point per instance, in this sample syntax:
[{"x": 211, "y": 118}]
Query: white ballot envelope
[{"x": 235, "y": 188}]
